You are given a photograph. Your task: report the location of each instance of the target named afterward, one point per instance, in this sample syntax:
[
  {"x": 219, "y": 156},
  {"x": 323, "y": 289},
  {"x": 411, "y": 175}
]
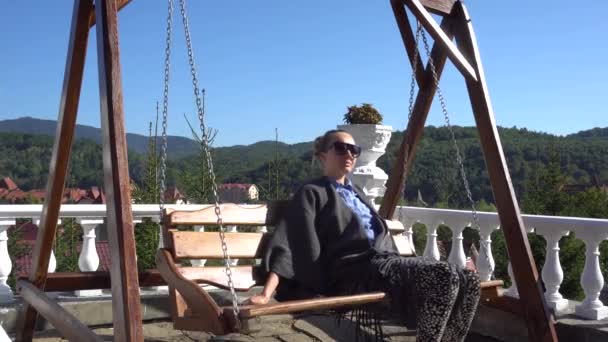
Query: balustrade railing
[{"x": 551, "y": 228}]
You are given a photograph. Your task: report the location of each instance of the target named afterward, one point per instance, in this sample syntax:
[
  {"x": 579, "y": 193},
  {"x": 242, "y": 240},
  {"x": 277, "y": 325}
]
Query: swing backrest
[{"x": 246, "y": 246}]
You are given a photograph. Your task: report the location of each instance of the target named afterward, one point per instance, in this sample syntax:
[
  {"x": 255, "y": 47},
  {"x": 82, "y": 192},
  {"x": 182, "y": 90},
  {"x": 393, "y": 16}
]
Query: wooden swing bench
[{"x": 193, "y": 308}]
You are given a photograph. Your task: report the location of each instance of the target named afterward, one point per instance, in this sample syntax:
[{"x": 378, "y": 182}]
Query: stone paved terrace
[
  {"x": 490, "y": 325},
  {"x": 311, "y": 328}
]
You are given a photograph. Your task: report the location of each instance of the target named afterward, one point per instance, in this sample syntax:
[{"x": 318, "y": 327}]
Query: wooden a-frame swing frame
[
  {"x": 456, "y": 23},
  {"x": 123, "y": 277}
]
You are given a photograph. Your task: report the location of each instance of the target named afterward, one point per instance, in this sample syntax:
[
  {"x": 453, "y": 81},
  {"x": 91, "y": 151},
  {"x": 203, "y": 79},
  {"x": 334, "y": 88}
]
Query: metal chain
[
  {"x": 459, "y": 158},
  {"x": 205, "y": 145},
  {"x": 163, "y": 155}
]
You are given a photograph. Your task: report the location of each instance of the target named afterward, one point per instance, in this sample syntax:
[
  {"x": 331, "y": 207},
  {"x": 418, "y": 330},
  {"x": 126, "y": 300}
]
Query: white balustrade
[
  {"x": 161, "y": 241},
  {"x": 262, "y": 229},
  {"x": 592, "y": 280},
  {"x": 232, "y": 229},
  {"x": 408, "y": 222},
  {"x": 88, "y": 260},
  {"x": 457, "y": 256},
  {"x": 488, "y": 222},
  {"x": 52, "y": 260},
  {"x": 552, "y": 272},
  {"x": 431, "y": 250},
  {"x": 513, "y": 291},
  {"x": 6, "y": 265},
  {"x": 591, "y": 231}
]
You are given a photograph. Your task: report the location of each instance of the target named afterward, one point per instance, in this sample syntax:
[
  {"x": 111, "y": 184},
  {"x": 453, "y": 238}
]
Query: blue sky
[{"x": 297, "y": 65}]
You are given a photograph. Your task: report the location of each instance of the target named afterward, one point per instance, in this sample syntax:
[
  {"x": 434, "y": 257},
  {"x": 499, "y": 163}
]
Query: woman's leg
[
  {"x": 421, "y": 289},
  {"x": 437, "y": 286},
  {"x": 439, "y": 298},
  {"x": 464, "y": 308}
]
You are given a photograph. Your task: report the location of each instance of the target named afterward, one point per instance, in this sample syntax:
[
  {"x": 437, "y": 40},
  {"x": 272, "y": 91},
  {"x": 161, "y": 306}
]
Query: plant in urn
[{"x": 364, "y": 124}]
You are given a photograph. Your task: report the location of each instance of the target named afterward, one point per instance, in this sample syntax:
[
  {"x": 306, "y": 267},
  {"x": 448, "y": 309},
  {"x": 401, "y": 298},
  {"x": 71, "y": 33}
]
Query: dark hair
[{"x": 322, "y": 143}]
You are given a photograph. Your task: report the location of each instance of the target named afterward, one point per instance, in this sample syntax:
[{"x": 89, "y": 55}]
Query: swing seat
[{"x": 194, "y": 309}]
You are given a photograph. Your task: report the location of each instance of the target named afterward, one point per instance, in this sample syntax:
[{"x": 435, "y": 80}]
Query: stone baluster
[
  {"x": 512, "y": 291},
  {"x": 52, "y": 260},
  {"x": 198, "y": 262},
  {"x": 232, "y": 229},
  {"x": 408, "y": 223},
  {"x": 552, "y": 272},
  {"x": 6, "y": 266},
  {"x": 431, "y": 250},
  {"x": 485, "y": 261},
  {"x": 262, "y": 229},
  {"x": 89, "y": 259},
  {"x": 592, "y": 280},
  {"x": 161, "y": 244},
  {"x": 161, "y": 241},
  {"x": 457, "y": 256}
]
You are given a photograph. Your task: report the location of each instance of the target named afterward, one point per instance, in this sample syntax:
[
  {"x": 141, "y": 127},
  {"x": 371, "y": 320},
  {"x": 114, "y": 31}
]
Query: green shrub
[{"x": 364, "y": 114}]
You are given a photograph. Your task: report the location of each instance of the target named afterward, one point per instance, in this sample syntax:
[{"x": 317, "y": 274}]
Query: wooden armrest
[{"x": 248, "y": 311}]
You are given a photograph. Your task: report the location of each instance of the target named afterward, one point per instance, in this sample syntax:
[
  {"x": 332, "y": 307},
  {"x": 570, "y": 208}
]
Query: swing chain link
[
  {"x": 205, "y": 146},
  {"x": 163, "y": 155},
  {"x": 483, "y": 247}
]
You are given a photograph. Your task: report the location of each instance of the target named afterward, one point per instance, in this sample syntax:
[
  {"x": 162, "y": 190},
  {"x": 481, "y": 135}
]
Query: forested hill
[
  {"x": 177, "y": 146},
  {"x": 581, "y": 157}
]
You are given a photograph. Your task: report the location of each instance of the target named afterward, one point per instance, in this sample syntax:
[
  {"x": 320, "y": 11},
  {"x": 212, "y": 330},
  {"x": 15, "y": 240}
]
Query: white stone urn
[{"x": 373, "y": 140}]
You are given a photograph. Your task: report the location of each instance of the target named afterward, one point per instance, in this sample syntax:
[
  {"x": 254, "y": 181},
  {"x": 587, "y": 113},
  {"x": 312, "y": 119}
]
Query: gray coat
[{"x": 320, "y": 240}]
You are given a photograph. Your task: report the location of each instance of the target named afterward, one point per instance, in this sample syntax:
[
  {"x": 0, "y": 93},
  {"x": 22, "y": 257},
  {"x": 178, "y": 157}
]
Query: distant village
[{"x": 10, "y": 193}]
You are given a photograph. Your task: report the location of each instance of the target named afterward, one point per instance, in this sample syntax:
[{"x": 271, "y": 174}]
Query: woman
[{"x": 332, "y": 242}]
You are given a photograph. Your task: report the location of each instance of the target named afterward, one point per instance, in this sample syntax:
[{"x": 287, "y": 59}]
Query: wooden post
[
  {"x": 537, "y": 317},
  {"x": 123, "y": 272},
  {"x": 66, "y": 123}
]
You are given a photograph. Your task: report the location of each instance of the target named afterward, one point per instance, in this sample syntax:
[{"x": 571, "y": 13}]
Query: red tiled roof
[
  {"x": 8, "y": 184},
  {"x": 38, "y": 194}
]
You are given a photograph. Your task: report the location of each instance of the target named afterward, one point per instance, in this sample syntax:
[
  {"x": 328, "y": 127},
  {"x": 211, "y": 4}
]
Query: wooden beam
[
  {"x": 440, "y": 7},
  {"x": 66, "y": 123},
  {"x": 413, "y": 133},
  {"x": 408, "y": 38},
  {"x": 68, "y": 325},
  {"x": 538, "y": 319},
  {"x": 441, "y": 38},
  {"x": 119, "y": 3},
  {"x": 125, "y": 287}
]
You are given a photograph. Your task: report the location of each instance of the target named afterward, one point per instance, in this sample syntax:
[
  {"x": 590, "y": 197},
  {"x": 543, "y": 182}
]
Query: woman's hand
[
  {"x": 258, "y": 299},
  {"x": 263, "y": 298}
]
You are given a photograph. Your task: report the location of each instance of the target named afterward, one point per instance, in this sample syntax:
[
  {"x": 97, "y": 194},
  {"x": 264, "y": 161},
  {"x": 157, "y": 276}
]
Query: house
[
  {"x": 238, "y": 193},
  {"x": 172, "y": 195}
]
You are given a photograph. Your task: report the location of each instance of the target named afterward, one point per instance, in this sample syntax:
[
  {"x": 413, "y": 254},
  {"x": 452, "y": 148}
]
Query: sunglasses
[{"x": 342, "y": 148}]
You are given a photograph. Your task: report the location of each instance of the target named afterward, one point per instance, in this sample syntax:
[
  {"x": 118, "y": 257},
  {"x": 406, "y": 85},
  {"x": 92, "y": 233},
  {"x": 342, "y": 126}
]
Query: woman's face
[{"x": 341, "y": 155}]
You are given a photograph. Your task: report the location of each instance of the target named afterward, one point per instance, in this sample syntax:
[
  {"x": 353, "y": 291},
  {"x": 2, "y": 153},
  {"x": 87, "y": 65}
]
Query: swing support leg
[
  {"x": 123, "y": 272},
  {"x": 468, "y": 62},
  {"x": 59, "y": 161},
  {"x": 538, "y": 318}
]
